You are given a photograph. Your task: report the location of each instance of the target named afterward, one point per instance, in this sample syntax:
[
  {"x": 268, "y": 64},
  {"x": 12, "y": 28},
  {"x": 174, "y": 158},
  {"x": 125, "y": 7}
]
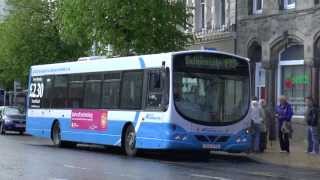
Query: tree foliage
[
  {"x": 140, "y": 26},
  {"x": 29, "y": 35},
  {"x": 49, "y": 31}
]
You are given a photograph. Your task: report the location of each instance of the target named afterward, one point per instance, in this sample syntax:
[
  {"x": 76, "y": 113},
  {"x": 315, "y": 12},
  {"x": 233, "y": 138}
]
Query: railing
[{"x": 218, "y": 30}]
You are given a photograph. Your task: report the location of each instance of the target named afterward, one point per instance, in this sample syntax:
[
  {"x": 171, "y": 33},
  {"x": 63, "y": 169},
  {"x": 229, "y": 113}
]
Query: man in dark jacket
[
  {"x": 284, "y": 115},
  {"x": 311, "y": 117}
]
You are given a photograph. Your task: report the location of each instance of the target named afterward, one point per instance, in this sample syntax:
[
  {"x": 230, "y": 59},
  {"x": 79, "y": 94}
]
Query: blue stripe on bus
[
  {"x": 142, "y": 63},
  {"x": 150, "y": 135}
]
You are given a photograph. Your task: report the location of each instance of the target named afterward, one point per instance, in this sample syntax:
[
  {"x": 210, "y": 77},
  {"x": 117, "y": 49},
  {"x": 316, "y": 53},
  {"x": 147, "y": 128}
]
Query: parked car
[{"x": 12, "y": 119}]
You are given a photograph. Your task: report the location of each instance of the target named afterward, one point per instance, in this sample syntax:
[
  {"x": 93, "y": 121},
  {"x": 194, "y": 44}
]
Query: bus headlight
[
  {"x": 241, "y": 140},
  {"x": 180, "y": 137},
  {"x": 177, "y": 137}
]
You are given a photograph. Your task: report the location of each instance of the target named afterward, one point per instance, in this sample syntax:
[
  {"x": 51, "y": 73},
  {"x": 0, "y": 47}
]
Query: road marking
[
  {"x": 74, "y": 167},
  {"x": 209, "y": 177},
  {"x": 265, "y": 174}
]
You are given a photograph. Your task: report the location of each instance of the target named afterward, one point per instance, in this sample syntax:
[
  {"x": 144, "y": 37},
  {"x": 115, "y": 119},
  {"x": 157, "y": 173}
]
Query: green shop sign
[{"x": 298, "y": 80}]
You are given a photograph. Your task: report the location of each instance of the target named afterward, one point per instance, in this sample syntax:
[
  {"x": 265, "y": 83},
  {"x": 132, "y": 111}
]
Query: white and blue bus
[{"x": 190, "y": 100}]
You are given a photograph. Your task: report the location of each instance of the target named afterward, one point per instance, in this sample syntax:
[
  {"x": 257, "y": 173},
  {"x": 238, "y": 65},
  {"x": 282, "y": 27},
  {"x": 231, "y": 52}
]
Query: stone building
[
  {"x": 213, "y": 24},
  {"x": 3, "y": 10},
  {"x": 282, "y": 39}
]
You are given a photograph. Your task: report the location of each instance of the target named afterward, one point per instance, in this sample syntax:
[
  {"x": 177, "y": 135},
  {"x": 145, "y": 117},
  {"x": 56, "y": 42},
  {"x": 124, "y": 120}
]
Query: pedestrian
[
  {"x": 284, "y": 114},
  {"x": 269, "y": 120},
  {"x": 311, "y": 117},
  {"x": 256, "y": 124},
  {"x": 265, "y": 123}
]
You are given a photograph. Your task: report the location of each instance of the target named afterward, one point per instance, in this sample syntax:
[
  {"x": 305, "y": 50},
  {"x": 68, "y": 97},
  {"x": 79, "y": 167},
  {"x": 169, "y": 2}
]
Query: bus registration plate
[{"x": 211, "y": 146}]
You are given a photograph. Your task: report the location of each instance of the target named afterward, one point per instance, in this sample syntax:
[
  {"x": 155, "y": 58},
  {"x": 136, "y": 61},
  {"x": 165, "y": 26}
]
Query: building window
[
  {"x": 289, "y": 4},
  {"x": 203, "y": 14},
  {"x": 295, "y": 84},
  {"x": 219, "y": 15},
  {"x": 294, "y": 77},
  {"x": 257, "y": 6},
  {"x": 223, "y": 13}
]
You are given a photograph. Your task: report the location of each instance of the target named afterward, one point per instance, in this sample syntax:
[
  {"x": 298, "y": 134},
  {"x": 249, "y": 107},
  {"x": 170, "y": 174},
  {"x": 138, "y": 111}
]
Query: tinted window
[
  {"x": 48, "y": 87},
  {"x": 131, "y": 90},
  {"x": 111, "y": 91},
  {"x": 76, "y": 85},
  {"x": 110, "y": 95},
  {"x": 154, "y": 89},
  {"x": 59, "y": 92},
  {"x": 92, "y": 91}
]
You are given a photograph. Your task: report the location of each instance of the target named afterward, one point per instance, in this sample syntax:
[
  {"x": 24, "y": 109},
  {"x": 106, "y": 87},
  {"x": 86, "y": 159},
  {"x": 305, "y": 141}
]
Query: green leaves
[
  {"x": 29, "y": 35},
  {"x": 140, "y": 26},
  {"x": 49, "y": 31}
]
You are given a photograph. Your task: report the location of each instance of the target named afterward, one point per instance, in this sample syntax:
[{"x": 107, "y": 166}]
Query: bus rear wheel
[
  {"x": 56, "y": 137},
  {"x": 129, "y": 141},
  {"x": 56, "y": 134},
  {"x": 2, "y": 128}
]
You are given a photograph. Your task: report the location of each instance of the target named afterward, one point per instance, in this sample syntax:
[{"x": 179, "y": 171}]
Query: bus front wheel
[{"x": 129, "y": 141}]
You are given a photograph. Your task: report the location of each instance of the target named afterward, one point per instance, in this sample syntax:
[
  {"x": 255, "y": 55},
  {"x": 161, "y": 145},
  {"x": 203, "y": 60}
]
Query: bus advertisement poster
[{"x": 89, "y": 119}]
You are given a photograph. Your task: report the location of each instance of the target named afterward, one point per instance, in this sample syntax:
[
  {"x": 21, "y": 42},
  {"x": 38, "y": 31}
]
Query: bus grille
[
  {"x": 218, "y": 139},
  {"x": 202, "y": 138},
  {"x": 222, "y": 139}
]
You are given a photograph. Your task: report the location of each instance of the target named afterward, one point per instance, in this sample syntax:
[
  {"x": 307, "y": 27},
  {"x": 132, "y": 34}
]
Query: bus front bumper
[{"x": 240, "y": 142}]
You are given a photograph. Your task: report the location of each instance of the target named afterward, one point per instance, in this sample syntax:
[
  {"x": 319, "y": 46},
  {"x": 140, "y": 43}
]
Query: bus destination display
[{"x": 211, "y": 62}]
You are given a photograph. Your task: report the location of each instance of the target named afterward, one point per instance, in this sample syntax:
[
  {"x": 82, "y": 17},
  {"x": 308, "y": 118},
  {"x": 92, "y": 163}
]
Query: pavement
[{"x": 297, "y": 156}]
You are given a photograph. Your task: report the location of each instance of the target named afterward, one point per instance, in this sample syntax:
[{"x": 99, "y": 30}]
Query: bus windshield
[{"x": 211, "y": 89}]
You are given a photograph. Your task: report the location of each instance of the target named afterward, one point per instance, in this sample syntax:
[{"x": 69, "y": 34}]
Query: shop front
[{"x": 293, "y": 78}]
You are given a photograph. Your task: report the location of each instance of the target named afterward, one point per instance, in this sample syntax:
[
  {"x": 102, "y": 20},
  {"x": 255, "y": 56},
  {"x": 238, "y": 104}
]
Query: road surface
[{"x": 31, "y": 158}]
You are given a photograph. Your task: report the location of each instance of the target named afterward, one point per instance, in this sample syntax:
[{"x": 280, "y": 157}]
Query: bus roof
[{"x": 113, "y": 64}]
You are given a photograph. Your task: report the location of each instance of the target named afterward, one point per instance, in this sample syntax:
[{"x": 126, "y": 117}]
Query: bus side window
[
  {"x": 59, "y": 92},
  {"x": 92, "y": 90},
  {"x": 76, "y": 85},
  {"x": 111, "y": 91},
  {"x": 154, "y": 94},
  {"x": 131, "y": 90},
  {"x": 46, "y": 100}
]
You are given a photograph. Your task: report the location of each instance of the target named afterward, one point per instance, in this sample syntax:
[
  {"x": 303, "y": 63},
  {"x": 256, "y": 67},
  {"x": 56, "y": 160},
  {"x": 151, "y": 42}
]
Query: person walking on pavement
[
  {"x": 256, "y": 124},
  {"x": 265, "y": 124},
  {"x": 311, "y": 117},
  {"x": 269, "y": 120},
  {"x": 284, "y": 114}
]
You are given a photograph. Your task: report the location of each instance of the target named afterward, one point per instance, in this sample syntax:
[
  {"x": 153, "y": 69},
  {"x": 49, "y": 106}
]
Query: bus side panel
[
  {"x": 40, "y": 121},
  {"x": 39, "y": 126},
  {"x": 111, "y": 136}
]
